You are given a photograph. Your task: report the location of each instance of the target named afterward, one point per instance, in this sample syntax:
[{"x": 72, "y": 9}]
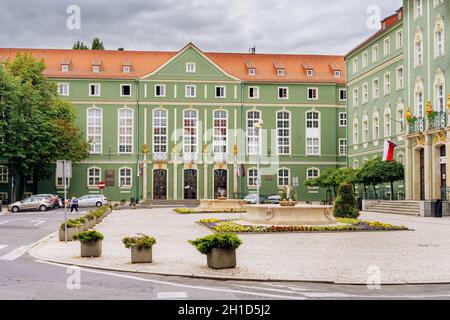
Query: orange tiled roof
[{"x": 145, "y": 62}]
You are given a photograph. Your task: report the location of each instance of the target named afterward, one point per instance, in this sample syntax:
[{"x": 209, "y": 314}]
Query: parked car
[
  {"x": 252, "y": 198},
  {"x": 274, "y": 199},
  {"x": 92, "y": 200},
  {"x": 57, "y": 203},
  {"x": 31, "y": 203}
]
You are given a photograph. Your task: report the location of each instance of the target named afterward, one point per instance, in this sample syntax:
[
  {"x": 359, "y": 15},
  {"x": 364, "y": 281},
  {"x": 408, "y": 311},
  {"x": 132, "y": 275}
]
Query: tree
[
  {"x": 97, "y": 44},
  {"x": 345, "y": 205},
  {"x": 392, "y": 171},
  {"x": 39, "y": 128},
  {"x": 372, "y": 173},
  {"x": 331, "y": 178},
  {"x": 80, "y": 46}
]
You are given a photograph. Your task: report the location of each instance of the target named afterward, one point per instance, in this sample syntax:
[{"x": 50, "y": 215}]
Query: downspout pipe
[{"x": 138, "y": 151}]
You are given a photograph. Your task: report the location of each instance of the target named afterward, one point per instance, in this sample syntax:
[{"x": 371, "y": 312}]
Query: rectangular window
[
  {"x": 313, "y": 93},
  {"x": 310, "y": 72},
  {"x": 312, "y": 174},
  {"x": 191, "y": 67},
  {"x": 96, "y": 69},
  {"x": 94, "y": 177},
  {"x": 365, "y": 93},
  {"x": 418, "y": 59},
  {"x": 252, "y": 178},
  {"x": 64, "y": 68},
  {"x": 342, "y": 119},
  {"x": 221, "y": 92},
  {"x": 95, "y": 129},
  {"x": 283, "y": 133},
  {"x": 440, "y": 98},
  {"x": 190, "y": 134},
  {"x": 160, "y": 90},
  {"x": 253, "y": 133},
  {"x": 125, "y": 131},
  {"x": 125, "y": 90},
  {"x": 342, "y": 95},
  {"x": 337, "y": 74},
  {"x": 283, "y": 93},
  {"x": 312, "y": 146},
  {"x": 126, "y": 69},
  {"x": 400, "y": 78},
  {"x": 283, "y": 178},
  {"x": 355, "y": 97},
  {"x": 387, "y": 47},
  {"x": 251, "y": 72},
  {"x": 365, "y": 60},
  {"x": 439, "y": 43},
  {"x": 418, "y": 8},
  {"x": 355, "y": 66},
  {"x": 191, "y": 91},
  {"x": 159, "y": 131},
  {"x": 63, "y": 89},
  {"x": 387, "y": 83},
  {"x": 312, "y": 133},
  {"x": 375, "y": 53},
  {"x": 342, "y": 147},
  {"x": 280, "y": 72},
  {"x": 253, "y": 92},
  {"x": 125, "y": 178},
  {"x": 94, "y": 90},
  {"x": 376, "y": 88},
  {"x": 399, "y": 39},
  {"x": 220, "y": 120},
  {"x": 4, "y": 174}
]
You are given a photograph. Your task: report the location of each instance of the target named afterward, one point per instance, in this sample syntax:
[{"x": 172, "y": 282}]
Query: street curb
[{"x": 33, "y": 252}]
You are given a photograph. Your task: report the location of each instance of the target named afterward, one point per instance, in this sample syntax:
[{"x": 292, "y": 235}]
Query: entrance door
[
  {"x": 190, "y": 184},
  {"x": 220, "y": 184},
  {"x": 422, "y": 174},
  {"x": 160, "y": 184},
  {"x": 443, "y": 172}
]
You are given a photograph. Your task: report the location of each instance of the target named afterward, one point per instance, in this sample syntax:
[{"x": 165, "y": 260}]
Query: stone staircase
[
  {"x": 410, "y": 208},
  {"x": 175, "y": 203}
]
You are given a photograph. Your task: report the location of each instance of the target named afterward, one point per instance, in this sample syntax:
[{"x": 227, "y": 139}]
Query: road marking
[
  {"x": 3, "y": 246},
  {"x": 171, "y": 295},
  {"x": 177, "y": 284},
  {"x": 267, "y": 289},
  {"x": 17, "y": 253},
  {"x": 37, "y": 222}
]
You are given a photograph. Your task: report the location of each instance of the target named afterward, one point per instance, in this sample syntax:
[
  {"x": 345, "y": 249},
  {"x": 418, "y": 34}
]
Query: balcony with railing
[
  {"x": 416, "y": 125},
  {"x": 437, "y": 120}
]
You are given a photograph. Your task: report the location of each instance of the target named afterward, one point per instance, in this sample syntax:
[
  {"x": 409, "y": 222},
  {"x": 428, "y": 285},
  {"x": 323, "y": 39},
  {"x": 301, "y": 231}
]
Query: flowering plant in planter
[
  {"x": 141, "y": 241},
  {"x": 88, "y": 236},
  {"x": 216, "y": 241}
]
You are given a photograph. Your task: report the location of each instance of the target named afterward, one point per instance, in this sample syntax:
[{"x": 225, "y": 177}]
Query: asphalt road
[{"x": 23, "y": 277}]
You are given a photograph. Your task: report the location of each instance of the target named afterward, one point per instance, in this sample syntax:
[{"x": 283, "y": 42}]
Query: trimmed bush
[
  {"x": 140, "y": 241},
  {"x": 345, "y": 205},
  {"x": 88, "y": 236},
  {"x": 218, "y": 241},
  {"x": 70, "y": 224}
]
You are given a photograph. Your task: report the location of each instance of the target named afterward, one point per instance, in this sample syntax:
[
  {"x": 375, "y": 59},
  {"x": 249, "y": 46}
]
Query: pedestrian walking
[{"x": 74, "y": 204}]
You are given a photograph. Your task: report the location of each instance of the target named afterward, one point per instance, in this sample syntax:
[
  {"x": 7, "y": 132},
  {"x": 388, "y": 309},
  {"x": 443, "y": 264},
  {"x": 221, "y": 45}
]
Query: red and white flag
[{"x": 389, "y": 147}]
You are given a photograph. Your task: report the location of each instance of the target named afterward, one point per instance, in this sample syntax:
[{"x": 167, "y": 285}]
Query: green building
[
  {"x": 397, "y": 91},
  {"x": 181, "y": 125}
]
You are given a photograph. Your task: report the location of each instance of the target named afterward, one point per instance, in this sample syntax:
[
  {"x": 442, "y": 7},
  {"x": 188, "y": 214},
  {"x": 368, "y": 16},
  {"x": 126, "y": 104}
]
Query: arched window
[
  {"x": 355, "y": 132},
  {"x": 418, "y": 48},
  {"x": 95, "y": 129},
  {"x": 400, "y": 118},
  {"x": 365, "y": 128},
  {"x": 283, "y": 132},
  {"x": 387, "y": 122},
  {"x": 253, "y": 134},
  {"x": 419, "y": 98},
  {"x": 94, "y": 176},
  {"x": 125, "y": 177},
  {"x": 376, "y": 126},
  {"x": 284, "y": 177}
]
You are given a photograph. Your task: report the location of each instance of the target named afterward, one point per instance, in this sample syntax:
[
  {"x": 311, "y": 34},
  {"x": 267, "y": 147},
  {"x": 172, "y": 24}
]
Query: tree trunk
[
  {"x": 375, "y": 191},
  {"x": 392, "y": 190}
]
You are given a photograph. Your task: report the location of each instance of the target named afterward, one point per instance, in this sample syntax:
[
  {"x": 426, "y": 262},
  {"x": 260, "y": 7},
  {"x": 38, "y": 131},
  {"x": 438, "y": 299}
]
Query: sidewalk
[{"x": 421, "y": 256}]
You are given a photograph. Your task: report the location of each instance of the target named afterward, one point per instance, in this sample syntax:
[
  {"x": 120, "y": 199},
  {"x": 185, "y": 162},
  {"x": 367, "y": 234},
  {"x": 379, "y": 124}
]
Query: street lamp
[{"x": 258, "y": 126}]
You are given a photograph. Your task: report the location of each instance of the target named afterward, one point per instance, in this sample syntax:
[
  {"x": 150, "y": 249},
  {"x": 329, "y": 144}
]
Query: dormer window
[
  {"x": 337, "y": 74},
  {"x": 190, "y": 67},
  {"x": 64, "y": 68},
  {"x": 126, "y": 69},
  {"x": 279, "y": 67},
  {"x": 251, "y": 67},
  {"x": 310, "y": 72},
  {"x": 96, "y": 69},
  {"x": 96, "y": 63},
  {"x": 280, "y": 72},
  {"x": 251, "y": 72}
]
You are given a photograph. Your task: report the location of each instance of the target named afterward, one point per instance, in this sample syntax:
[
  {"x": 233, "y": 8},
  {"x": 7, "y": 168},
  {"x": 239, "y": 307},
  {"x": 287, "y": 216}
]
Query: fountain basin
[
  {"x": 214, "y": 204},
  {"x": 312, "y": 215}
]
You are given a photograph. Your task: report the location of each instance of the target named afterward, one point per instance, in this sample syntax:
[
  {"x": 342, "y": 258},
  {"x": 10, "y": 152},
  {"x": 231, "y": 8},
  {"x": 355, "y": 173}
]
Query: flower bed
[
  {"x": 200, "y": 211},
  {"x": 348, "y": 225}
]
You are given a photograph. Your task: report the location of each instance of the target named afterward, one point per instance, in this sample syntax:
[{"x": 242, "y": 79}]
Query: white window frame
[
  {"x": 125, "y": 135},
  {"x": 310, "y": 72},
  {"x": 254, "y": 177},
  {"x": 355, "y": 65},
  {"x": 257, "y": 91},
  {"x": 191, "y": 67},
  {"x": 254, "y": 143},
  {"x": 342, "y": 119},
  {"x": 163, "y": 87},
  {"x": 418, "y": 9},
  {"x": 64, "y": 68},
  {"x": 126, "y": 69},
  {"x": 252, "y": 72},
  {"x": 220, "y": 141},
  {"x": 400, "y": 83},
  {"x": 340, "y": 95},
  {"x": 312, "y": 170},
  {"x": 387, "y": 123},
  {"x": 96, "y": 69},
  {"x": 399, "y": 39},
  {"x": 386, "y": 47},
  {"x": 90, "y": 136},
  {"x": 355, "y": 97},
  {"x": 186, "y": 91},
  {"x": 280, "y": 72},
  {"x": 311, "y": 90},
  {"x": 64, "y": 93},
  {"x": 343, "y": 147},
  {"x": 313, "y": 133},
  {"x": 376, "y": 127},
  {"x": 375, "y": 53},
  {"x": 158, "y": 118},
  {"x": 224, "y": 88},
  {"x": 285, "y": 179},
  {"x": 94, "y": 177},
  {"x": 190, "y": 149},
  {"x": 365, "y": 93},
  {"x": 121, "y": 90},
  {"x": 287, "y": 93},
  {"x": 125, "y": 177},
  {"x": 365, "y": 59},
  {"x": 387, "y": 82},
  {"x": 288, "y": 122},
  {"x": 97, "y": 85},
  {"x": 4, "y": 175},
  {"x": 375, "y": 89}
]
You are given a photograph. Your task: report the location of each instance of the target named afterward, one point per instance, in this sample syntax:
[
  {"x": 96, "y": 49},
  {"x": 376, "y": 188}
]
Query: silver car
[
  {"x": 31, "y": 203},
  {"x": 92, "y": 200}
]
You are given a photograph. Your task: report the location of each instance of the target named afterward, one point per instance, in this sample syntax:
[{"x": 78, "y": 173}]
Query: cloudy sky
[{"x": 284, "y": 26}]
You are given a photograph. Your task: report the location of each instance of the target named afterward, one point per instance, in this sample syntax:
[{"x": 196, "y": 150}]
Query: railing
[
  {"x": 160, "y": 156},
  {"x": 220, "y": 158},
  {"x": 417, "y": 126},
  {"x": 190, "y": 157},
  {"x": 438, "y": 121},
  {"x": 445, "y": 193}
]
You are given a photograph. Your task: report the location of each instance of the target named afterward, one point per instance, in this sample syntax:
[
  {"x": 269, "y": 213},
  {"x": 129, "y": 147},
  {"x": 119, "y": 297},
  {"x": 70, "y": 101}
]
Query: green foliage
[
  {"x": 219, "y": 241},
  {"x": 140, "y": 241},
  {"x": 37, "y": 125},
  {"x": 287, "y": 194},
  {"x": 97, "y": 44},
  {"x": 332, "y": 178},
  {"x": 80, "y": 46},
  {"x": 88, "y": 236},
  {"x": 345, "y": 205},
  {"x": 70, "y": 224}
]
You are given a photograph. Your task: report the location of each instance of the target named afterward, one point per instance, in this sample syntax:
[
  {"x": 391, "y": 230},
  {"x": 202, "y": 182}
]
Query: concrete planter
[
  {"x": 91, "y": 248},
  {"x": 141, "y": 255},
  {"x": 70, "y": 233},
  {"x": 222, "y": 258}
]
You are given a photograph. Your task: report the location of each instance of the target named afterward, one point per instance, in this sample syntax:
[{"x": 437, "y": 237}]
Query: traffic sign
[{"x": 101, "y": 185}]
